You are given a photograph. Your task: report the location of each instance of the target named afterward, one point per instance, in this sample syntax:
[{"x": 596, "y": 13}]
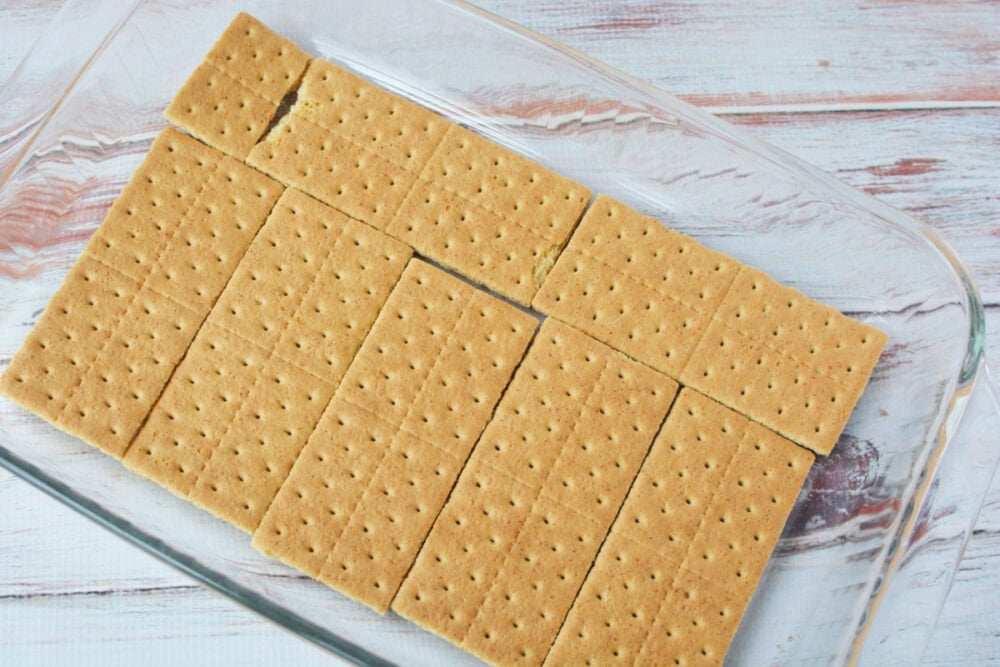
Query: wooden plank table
[{"x": 900, "y": 98}]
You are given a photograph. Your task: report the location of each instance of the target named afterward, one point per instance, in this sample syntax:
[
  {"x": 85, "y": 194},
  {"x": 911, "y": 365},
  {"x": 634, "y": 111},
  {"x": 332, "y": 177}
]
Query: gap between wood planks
[
  {"x": 848, "y": 107},
  {"x": 101, "y": 592}
]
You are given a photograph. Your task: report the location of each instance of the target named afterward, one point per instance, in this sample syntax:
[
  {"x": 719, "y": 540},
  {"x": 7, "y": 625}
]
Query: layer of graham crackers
[
  {"x": 682, "y": 559},
  {"x": 786, "y": 361},
  {"x": 127, "y": 311},
  {"x": 506, "y": 557},
  {"x": 503, "y": 220},
  {"x": 346, "y": 461},
  {"x": 388, "y": 448},
  {"x": 243, "y": 402},
  {"x": 457, "y": 198}
]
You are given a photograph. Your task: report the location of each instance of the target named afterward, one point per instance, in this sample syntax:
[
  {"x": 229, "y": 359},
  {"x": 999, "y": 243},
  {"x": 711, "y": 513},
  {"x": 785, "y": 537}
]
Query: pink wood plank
[
  {"x": 941, "y": 166},
  {"x": 727, "y": 53}
]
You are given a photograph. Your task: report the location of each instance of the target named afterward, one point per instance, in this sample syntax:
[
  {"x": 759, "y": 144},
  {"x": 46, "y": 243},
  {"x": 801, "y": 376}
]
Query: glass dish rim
[{"x": 951, "y": 412}]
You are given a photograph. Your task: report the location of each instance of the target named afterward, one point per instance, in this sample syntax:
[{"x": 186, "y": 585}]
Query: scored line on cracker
[
  {"x": 418, "y": 176},
  {"x": 676, "y": 285},
  {"x": 132, "y": 303},
  {"x": 784, "y": 360},
  {"x": 233, "y": 95}
]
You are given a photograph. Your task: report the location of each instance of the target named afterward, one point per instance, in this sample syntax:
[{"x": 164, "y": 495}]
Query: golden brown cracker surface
[
  {"x": 350, "y": 144},
  {"x": 240, "y": 407},
  {"x": 632, "y": 283},
  {"x": 766, "y": 350},
  {"x": 508, "y": 553},
  {"x": 101, "y": 353},
  {"x": 784, "y": 360},
  {"x": 690, "y": 543},
  {"x": 457, "y": 198},
  {"x": 234, "y": 93},
  {"x": 379, "y": 466}
]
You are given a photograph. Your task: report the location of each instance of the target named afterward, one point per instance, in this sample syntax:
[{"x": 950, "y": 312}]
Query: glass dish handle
[
  {"x": 79, "y": 31},
  {"x": 906, "y": 609}
]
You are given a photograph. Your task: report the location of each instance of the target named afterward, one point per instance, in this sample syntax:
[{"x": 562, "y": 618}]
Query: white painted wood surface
[
  {"x": 727, "y": 54},
  {"x": 900, "y": 98}
]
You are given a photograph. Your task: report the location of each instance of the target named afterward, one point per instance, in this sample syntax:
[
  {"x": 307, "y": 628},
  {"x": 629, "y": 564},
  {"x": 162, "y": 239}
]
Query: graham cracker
[
  {"x": 508, "y": 553},
  {"x": 784, "y": 360},
  {"x": 632, "y": 283},
  {"x": 375, "y": 473},
  {"x": 457, "y": 198},
  {"x": 230, "y": 99},
  {"x": 350, "y": 144},
  {"x": 490, "y": 214},
  {"x": 682, "y": 559},
  {"x": 101, "y": 353},
  {"x": 243, "y": 402}
]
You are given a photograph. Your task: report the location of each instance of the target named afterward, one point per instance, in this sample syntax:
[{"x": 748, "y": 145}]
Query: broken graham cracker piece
[
  {"x": 508, "y": 553},
  {"x": 683, "y": 558},
  {"x": 457, "y": 198},
  {"x": 632, "y": 283},
  {"x": 490, "y": 214},
  {"x": 784, "y": 360},
  {"x": 242, "y": 403},
  {"x": 127, "y": 311},
  {"x": 350, "y": 144},
  {"x": 230, "y": 99},
  {"x": 359, "y": 501}
]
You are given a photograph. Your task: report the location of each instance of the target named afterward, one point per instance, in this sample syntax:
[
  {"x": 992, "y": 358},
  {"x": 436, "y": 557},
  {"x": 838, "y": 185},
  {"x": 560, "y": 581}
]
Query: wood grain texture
[
  {"x": 23, "y": 22},
  {"x": 71, "y": 593},
  {"x": 725, "y": 53},
  {"x": 939, "y": 166}
]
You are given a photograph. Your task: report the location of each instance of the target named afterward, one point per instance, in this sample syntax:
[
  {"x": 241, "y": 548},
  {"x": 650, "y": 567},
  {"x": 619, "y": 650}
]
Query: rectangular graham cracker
[
  {"x": 683, "y": 558},
  {"x": 632, "y": 283},
  {"x": 127, "y": 311},
  {"x": 505, "y": 559},
  {"x": 371, "y": 480},
  {"x": 784, "y": 360},
  {"x": 457, "y": 198},
  {"x": 243, "y": 402},
  {"x": 229, "y": 101}
]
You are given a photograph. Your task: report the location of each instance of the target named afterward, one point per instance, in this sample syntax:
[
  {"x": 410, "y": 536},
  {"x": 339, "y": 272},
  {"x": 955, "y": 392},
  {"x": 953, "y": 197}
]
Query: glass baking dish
[{"x": 870, "y": 549}]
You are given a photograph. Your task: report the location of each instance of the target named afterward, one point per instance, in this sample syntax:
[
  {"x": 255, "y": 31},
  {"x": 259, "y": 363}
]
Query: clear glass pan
[{"x": 869, "y": 552}]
